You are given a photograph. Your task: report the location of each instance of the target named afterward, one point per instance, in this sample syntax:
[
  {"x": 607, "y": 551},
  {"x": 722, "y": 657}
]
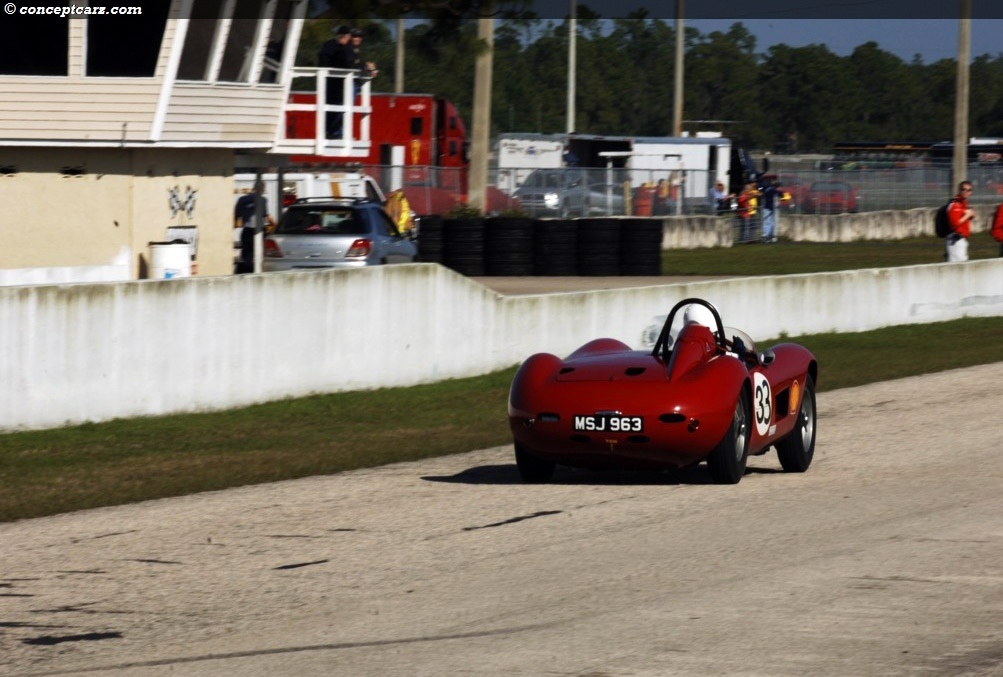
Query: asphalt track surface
[{"x": 885, "y": 558}]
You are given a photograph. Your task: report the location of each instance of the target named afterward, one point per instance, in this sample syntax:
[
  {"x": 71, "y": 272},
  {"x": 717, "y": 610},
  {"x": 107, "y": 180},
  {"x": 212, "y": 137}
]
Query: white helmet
[{"x": 697, "y": 314}]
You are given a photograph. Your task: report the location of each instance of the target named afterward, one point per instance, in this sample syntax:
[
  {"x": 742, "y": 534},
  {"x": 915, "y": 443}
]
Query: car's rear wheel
[
  {"x": 727, "y": 462},
  {"x": 797, "y": 449},
  {"x": 532, "y": 468}
]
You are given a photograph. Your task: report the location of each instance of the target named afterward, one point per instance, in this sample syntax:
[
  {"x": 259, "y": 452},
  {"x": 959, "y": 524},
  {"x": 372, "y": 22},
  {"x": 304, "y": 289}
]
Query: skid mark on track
[
  {"x": 108, "y": 535},
  {"x": 300, "y": 565},
  {"x": 154, "y": 561},
  {"x": 52, "y": 640},
  {"x": 513, "y": 520},
  {"x": 295, "y": 649}
]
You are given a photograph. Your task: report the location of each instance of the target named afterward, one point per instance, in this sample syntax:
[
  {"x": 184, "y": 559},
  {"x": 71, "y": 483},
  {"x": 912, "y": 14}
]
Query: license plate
[{"x": 609, "y": 423}]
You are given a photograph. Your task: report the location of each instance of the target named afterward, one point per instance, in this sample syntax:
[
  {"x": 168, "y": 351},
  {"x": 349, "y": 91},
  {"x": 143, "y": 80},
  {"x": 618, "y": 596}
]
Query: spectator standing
[
  {"x": 336, "y": 53},
  {"x": 367, "y": 69},
  {"x": 997, "y": 229},
  {"x": 661, "y": 203},
  {"x": 569, "y": 157},
  {"x": 959, "y": 216},
  {"x": 748, "y": 207},
  {"x": 718, "y": 199},
  {"x": 771, "y": 198},
  {"x": 245, "y": 214}
]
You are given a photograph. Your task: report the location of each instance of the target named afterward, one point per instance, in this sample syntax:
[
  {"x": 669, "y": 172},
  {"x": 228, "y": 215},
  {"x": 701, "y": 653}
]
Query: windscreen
[{"x": 321, "y": 222}]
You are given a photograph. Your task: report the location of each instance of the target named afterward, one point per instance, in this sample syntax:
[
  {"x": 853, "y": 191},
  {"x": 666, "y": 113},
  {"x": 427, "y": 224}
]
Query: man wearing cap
[
  {"x": 366, "y": 69},
  {"x": 336, "y": 53}
]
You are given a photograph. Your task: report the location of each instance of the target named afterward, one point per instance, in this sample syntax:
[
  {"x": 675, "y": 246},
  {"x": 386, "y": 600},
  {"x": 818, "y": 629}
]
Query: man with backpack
[{"x": 959, "y": 218}]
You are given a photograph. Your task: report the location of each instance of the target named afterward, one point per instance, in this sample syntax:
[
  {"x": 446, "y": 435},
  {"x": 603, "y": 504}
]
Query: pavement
[{"x": 884, "y": 558}]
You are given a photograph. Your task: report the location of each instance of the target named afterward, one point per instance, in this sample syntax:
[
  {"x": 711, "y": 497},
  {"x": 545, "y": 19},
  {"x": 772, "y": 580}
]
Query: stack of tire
[
  {"x": 430, "y": 239},
  {"x": 599, "y": 247},
  {"x": 463, "y": 245},
  {"x": 641, "y": 247},
  {"x": 508, "y": 246},
  {"x": 555, "y": 247}
]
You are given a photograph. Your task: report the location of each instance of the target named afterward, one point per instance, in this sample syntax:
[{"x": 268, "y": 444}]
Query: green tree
[
  {"x": 721, "y": 82},
  {"x": 804, "y": 92}
]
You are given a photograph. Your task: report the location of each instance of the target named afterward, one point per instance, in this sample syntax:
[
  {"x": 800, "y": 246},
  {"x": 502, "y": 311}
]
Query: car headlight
[{"x": 551, "y": 200}]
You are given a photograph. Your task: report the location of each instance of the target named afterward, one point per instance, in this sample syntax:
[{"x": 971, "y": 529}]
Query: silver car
[
  {"x": 570, "y": 192},
  {"x": 335, "y": 233}
]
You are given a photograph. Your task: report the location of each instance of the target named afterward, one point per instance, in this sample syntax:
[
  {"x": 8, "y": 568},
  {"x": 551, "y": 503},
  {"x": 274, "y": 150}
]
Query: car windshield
[
  {"x": 320, "y": 221},
  {"x": 540, "y": 179}
]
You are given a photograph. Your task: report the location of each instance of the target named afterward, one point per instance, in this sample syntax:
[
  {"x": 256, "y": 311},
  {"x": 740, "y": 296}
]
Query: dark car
[
  {"x": 831, "y": 197},
  {"x": 335, "y": 233},
  {"x": 569, "y": 192}
]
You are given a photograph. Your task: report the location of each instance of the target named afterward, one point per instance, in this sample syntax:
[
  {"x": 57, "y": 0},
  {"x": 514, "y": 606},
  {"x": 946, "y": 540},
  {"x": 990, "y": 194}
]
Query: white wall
[{"x": 93, "y": 352}]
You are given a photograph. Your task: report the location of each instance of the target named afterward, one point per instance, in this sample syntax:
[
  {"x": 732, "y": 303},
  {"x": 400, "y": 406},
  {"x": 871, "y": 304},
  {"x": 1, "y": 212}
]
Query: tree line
[{"x": 786, "y": 99}]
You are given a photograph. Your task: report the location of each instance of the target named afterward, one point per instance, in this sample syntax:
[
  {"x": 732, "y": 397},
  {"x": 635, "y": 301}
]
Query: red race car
[
  {"x": 831, "y": 197},
  {"x": 697, "y": 396}
]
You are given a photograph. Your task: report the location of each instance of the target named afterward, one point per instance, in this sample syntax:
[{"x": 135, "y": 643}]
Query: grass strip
[{"x": 788, "y": 258}]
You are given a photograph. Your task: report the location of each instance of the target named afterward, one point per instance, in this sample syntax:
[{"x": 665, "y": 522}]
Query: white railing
[{"x": 355, "y": 108}]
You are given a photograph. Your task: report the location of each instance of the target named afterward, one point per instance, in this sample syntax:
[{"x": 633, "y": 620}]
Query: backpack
[{"x": 941, "y": 224}]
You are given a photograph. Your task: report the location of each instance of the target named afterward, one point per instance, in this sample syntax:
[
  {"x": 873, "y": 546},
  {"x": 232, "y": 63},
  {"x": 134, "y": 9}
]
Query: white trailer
[
  {"x": 690, "y": 163},
  {"x": 520, "y": 154}
]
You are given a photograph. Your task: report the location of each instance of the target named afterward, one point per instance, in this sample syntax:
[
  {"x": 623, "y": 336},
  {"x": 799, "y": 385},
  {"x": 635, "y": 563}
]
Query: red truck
[{"x": 426, "y": 134}]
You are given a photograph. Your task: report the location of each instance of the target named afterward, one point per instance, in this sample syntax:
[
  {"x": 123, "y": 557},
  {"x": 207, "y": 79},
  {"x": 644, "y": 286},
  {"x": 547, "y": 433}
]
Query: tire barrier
[
  {"x": 599, "y": 247},
  {"x": 555, "y": 247},
  {"x": 508, "y": 246},
  {"x": 463, "y": 246},
  {"x": 430, "y": 239},
  {"x": 641, "y": 247},
  {"x": 517, "y": 246}
]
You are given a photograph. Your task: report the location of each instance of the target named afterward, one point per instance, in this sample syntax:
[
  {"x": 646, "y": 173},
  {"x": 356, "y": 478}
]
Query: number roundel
[{"x": 762, "y": 403}]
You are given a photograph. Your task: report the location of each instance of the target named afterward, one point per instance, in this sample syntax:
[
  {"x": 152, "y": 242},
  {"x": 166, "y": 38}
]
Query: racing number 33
[{"x": 609, "y": 423}]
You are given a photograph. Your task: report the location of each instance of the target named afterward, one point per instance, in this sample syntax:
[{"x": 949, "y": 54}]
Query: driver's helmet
[
  {"x": 693, "y": 314},
  {"x": 697, "y": 314}
]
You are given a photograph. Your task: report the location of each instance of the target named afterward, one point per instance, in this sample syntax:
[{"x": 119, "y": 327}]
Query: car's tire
[
  {"x": 727, "y": 462},
  {"x": 797, "y": 449},
  {"x": 532, "y": 468}
]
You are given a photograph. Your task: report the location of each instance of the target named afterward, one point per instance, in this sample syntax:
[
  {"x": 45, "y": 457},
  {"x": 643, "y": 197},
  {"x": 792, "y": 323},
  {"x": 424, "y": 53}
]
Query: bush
[{"x": 462, "y": 210}]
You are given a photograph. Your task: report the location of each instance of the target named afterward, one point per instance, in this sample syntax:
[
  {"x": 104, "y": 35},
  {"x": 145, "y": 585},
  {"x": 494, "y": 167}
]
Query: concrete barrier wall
[
  {"x": 691, "y": 232},
  {"x": 94, "y": 352}
]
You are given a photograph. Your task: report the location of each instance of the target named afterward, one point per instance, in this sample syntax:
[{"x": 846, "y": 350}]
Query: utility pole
[
  {"x": 482, "y": 109},
  {"x": 399, "y": 58},
  {"x": 959, "y": 162},
  {"x": 572, "y": 65},
  {"x": 677, "y": 92}
]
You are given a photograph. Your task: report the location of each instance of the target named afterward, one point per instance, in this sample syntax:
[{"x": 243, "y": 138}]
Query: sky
[
  {"x": 903, "y": 27},
  {"x": 932, "y": 39}
]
